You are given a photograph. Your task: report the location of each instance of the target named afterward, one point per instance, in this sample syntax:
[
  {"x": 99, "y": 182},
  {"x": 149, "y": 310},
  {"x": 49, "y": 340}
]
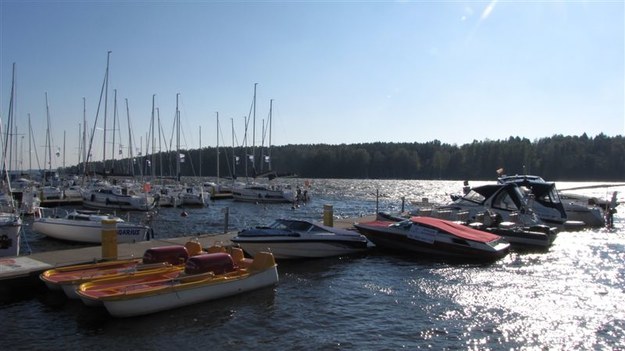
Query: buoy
[{"x": 184, "y": 214}]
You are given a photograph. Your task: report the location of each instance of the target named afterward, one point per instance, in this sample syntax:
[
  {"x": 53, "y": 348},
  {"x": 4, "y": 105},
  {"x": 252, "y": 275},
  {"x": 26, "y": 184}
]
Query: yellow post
[
  {"x": 109, "y": 239},
  {"x": 328, "y": 215}
]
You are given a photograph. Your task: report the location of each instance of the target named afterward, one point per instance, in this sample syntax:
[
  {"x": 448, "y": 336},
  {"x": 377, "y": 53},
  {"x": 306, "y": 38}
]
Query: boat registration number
[
  {"x": 422, "y": 234},
  {"x": 128, "y": 232}
]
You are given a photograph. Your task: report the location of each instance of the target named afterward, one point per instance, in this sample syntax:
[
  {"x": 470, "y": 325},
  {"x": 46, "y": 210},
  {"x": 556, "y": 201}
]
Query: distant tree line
[{"x": 563, "y": 158}]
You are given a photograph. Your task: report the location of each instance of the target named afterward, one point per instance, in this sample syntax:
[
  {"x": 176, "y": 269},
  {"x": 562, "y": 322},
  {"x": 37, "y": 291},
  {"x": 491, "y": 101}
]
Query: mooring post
[
  {"x": 109, "y": 239},
  {"x": 328, "y": 215},
  {"x": 226, "y": 218}
]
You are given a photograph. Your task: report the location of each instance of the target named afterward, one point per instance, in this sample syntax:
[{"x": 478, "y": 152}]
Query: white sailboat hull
[{"x": 86, "y": 231}]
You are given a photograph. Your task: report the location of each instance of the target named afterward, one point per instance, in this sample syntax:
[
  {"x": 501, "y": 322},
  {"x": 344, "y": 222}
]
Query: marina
[{"x": 567, "y": 296}]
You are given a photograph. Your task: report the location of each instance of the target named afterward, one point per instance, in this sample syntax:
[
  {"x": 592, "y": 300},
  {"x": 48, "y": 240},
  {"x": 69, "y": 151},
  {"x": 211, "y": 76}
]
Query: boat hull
[
  {"x": 295, "y": 249},
  {"x": 432, "y": 243},
  {"x": 88, "y": 232},
  {"x": 175, "y": 297},
  {"x": 262, "y": 195}
]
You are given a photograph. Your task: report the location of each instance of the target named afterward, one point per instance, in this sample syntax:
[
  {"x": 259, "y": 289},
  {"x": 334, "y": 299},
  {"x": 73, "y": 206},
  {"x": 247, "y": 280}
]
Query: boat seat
[
  {"x": 237, "y": 254},
  {"x": 193, "y": 247},
  {"x": 262, "y": 261},
  {"x": 216, "y": 248}
]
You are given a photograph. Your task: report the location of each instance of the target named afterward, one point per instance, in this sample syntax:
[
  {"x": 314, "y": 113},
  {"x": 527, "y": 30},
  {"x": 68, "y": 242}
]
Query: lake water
[{"x": 569, "y": 297}]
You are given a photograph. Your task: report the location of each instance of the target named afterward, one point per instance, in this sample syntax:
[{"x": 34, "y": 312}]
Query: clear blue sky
[{"x": 339, "y": 72}]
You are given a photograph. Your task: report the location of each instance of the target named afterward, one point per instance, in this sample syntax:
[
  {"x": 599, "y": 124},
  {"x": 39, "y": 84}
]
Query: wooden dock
[{"x": 25, "y": 270}]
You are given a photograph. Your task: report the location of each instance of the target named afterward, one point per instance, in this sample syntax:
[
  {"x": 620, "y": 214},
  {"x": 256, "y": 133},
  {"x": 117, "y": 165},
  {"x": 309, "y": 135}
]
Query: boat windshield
[
  {"x": 404, "y": 225},
  {"x": 474, "y": 196},
  {"x": 505, "y": 201},
  {"x": 299, "y": 226}
]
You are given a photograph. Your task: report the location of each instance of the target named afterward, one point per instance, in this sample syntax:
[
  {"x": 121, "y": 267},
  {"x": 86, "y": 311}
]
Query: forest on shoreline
[{"x": 563, "y": 158}]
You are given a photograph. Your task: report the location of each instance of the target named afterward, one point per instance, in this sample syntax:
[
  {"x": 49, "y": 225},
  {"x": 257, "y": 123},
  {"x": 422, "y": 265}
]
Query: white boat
[
  {"x": 86, "y": 227},
  {"x": 292, "y": 239},
  {"x": 73, "y": 194},
  {"x": 10, "y": 234},
  {"x": 547, "y": 203},
  {"x": 205, "y": 277},
  {"x": 191, "y": 196},
  {"x": 30, "y": 202},
  {"x": 506, "y": 200},
  {"x": 259, "y": 193},
  {"x": 117, "y": 198}
]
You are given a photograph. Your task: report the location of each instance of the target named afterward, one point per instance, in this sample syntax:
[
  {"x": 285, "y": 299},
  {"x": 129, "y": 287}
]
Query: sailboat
[
  {"x": 262, "y": 193},
  {"x": 189, "y": 195},
  {"x": 103, "y": 195},
  {"x": 217, "y": 190},
  {"x": 10, "y": 221}
]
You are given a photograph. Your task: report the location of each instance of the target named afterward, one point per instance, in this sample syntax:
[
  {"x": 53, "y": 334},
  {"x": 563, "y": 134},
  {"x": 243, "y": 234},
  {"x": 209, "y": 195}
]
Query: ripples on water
[{"x": 569, "y": 297}]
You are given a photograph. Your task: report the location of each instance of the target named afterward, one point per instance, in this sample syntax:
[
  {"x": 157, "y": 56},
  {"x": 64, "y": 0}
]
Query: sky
[{"x": 338, "y": 72}]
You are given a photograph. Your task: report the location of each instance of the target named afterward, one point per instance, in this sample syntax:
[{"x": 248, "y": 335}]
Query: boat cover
[{"x": 456, "y": 229}]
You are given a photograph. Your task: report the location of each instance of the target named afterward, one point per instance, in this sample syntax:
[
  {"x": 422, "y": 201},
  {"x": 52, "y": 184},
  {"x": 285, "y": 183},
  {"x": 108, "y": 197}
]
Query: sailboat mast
[
  {"x": 254, "y": 133},
  {"x": 64, "y": 149},
  {"x": 153, "y": 172},
  {"x": 160, "y": 148},
  {"x": 30, "y": 143},
  {"x": 200, "y": 152},
  {"x": 106, "y": 92},
  {"x": 130, "y": 147},
  {"x": 234, "y": 156},
  {"x": 7, "y": 145},
  {"x": 177, "y": 118},
  {"x": 48, "y": 143},
  {"x": 114, "y": 128},
  {"x": 217, "y": 147},
  {"x": 84, "y": 135},
  {"x": 270, "y": 124}
]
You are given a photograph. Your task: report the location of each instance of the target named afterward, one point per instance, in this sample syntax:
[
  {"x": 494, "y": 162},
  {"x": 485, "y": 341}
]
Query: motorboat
[
  {"x": 164, "y": 259},
  {"x": 435, "y": 237},
  {"x": 260, "y": 193},
  {"x": 548, "y": 204},
  {"x": 507, "y": 200},
  {"x": 205, "y": 277},
  {"x": 117, "y": 198},
  {"x": 86, "y": 226},
  {"x": 542, "y": 196},
  {"x": 536, "y": 236},
  {"x": 293, "y": 239}
]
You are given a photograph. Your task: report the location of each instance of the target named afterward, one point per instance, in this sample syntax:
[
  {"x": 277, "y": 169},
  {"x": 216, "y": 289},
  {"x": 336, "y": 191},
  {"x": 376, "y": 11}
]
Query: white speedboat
[
  {"x": 290, "y": 239},
  {"x": 548, "y": 204},
  {"x": 506, "y": 200},
  {"x": 86, "y": 227},
  {"x": 435, "y": 237}
]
